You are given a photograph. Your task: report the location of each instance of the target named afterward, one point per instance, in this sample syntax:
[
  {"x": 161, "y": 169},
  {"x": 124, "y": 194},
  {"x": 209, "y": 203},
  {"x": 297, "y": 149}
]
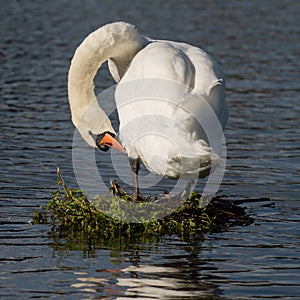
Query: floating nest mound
[{"x": 70, "y": 212}]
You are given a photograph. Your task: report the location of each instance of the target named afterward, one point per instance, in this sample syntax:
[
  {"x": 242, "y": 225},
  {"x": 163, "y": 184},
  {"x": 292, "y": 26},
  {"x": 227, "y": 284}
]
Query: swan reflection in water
[{"x": 148, "y": 281}]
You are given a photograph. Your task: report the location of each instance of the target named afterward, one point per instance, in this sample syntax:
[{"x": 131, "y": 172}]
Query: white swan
[{"x": 162, "y": 95}]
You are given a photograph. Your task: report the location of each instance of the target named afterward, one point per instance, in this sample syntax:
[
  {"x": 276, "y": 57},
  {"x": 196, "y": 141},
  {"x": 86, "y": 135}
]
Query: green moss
[{"x": 73, "y": 215}]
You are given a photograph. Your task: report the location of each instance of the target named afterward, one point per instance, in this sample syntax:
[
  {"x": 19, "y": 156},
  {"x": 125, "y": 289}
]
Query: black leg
[{"x": 135, "y": 166}]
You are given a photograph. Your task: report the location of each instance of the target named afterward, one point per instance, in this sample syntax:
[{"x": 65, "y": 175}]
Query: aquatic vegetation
[{"x": 72, "y": 214}]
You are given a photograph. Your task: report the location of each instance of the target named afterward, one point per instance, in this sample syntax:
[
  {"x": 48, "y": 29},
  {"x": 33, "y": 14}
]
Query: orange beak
[{"x": 109, "y": 141}]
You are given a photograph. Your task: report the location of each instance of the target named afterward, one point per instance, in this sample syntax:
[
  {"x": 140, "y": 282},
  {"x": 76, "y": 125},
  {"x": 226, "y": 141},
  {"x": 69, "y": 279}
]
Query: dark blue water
[{"x": 257, "y": 43}]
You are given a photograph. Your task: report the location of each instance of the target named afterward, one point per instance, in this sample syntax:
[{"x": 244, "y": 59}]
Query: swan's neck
[{"x": 117, "y": 42}]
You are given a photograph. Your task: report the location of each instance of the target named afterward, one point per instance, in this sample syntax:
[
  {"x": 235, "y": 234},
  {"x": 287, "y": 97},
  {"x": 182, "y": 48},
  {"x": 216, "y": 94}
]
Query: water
[{"x": 257, "y": 43}]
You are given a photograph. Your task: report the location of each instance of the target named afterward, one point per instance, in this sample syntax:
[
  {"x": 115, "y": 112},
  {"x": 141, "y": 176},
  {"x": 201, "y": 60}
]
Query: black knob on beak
[
  {"x": 103, "y": 148},
  {"x": 102, "y": 143}
]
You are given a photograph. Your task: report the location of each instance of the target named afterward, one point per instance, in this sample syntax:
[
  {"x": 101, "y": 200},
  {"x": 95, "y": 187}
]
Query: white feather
[{"x": 164, "y": 89}]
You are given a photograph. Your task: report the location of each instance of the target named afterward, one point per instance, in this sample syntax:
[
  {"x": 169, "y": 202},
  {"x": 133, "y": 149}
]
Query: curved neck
[{"x": 118, "y": 42}]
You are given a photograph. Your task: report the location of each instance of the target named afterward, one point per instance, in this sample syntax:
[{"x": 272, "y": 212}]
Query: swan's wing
[
  {"x": 191, "y": 68},
  {"x": 154, "y": 84},
  {"x": 216, "y": 99},
  {"x": 194, "y": 112},
  {"x": 209, "y": 81},
  {"x": 166, "y": 89}
]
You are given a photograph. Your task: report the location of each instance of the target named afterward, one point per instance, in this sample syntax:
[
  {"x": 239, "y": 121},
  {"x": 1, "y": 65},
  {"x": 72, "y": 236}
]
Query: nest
[{"x": 71, "y": 214}]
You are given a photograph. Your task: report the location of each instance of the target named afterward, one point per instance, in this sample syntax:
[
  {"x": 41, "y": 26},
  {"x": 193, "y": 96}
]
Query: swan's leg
[
  {"x": 186, "y": 193},
  {"x": 135, "y": 166},
  {"x": 183, "y": 195}
]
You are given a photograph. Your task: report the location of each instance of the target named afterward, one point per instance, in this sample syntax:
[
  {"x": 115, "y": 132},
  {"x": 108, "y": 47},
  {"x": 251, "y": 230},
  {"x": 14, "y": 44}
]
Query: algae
[{"x": 71, "y": 214}]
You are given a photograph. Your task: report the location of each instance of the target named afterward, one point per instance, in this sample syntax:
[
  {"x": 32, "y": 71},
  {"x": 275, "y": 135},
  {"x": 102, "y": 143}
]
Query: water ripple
[{"x": 257, "y": 43}]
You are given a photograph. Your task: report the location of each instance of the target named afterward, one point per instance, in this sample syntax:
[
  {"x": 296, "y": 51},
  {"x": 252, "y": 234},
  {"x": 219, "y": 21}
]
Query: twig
[{"x": 62, "y": 182}]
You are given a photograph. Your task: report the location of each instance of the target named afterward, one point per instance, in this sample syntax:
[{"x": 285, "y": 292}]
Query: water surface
[{"x": 257, "y": 44}]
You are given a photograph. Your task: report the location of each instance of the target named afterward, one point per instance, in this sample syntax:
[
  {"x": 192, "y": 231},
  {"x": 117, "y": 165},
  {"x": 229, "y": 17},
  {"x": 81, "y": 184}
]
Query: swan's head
[
  {"x": 95, "y": 127},
  {"x": 106, "y": 140}
]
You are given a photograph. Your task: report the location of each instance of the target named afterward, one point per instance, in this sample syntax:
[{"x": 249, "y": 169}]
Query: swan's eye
[{"x": 103, "y": 148}]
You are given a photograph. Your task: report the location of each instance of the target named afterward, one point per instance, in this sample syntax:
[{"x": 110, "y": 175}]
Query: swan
[{"x": 164, "y": 90}]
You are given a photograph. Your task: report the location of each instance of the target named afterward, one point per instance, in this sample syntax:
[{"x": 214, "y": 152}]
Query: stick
[{"x": 62, "y": 182}]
